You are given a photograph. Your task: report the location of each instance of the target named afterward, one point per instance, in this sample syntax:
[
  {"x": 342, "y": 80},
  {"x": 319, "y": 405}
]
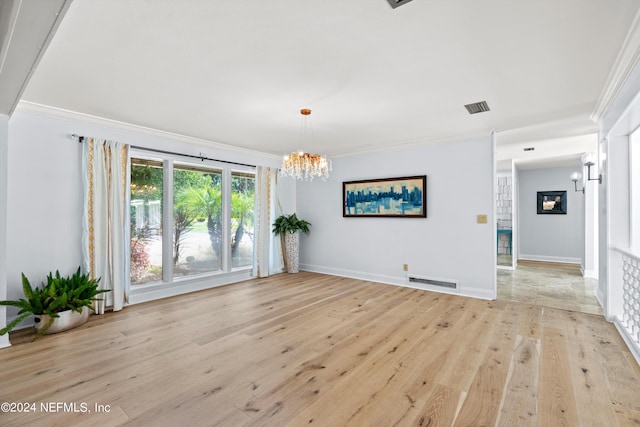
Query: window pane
[
  {"x": 146, "y": 221},
  {"x": 197, "y": 214},
  {"x": 242, "y": 203}
]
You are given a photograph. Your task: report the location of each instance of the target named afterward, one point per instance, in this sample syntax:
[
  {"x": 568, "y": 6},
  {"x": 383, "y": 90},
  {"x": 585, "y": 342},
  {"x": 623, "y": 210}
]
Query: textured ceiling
[{"x": 238, "y": 72}]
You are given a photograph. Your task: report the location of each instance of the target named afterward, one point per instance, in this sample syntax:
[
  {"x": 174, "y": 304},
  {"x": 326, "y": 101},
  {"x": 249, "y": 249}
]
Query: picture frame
[
  {"x": 404, "y": 197},
  {"x": 552, "y": 202}
]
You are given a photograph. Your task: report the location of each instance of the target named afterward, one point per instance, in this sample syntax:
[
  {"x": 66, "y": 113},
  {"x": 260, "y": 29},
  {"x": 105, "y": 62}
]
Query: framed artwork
[
  {"x": 552, "y": 202},
  {"x": 404, "y": 197}
]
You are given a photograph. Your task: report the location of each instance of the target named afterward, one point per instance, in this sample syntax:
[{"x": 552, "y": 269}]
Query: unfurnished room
[{"x": 320, "y": 213}]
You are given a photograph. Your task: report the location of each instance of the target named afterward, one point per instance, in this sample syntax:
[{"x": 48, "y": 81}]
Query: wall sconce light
[
  {"x": 575, "y": 177},
  {"x": 588, "y": 160}
]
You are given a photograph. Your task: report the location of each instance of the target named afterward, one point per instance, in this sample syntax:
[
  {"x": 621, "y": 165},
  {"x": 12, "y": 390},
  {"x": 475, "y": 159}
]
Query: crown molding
[
  {"x": 60, "y": 113},
  {"x": 625, "y": 61},
  {"x": 415, "y": 143}
]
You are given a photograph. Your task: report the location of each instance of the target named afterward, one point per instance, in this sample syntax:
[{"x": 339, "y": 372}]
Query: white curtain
[
  {"x": 267, "y": 257},
  {"x": 105, "y": 248}
]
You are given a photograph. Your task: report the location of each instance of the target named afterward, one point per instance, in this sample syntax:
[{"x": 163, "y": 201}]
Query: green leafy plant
[
  {"x": 58, "y": 294},
  {"x": 290, "y": 224}
]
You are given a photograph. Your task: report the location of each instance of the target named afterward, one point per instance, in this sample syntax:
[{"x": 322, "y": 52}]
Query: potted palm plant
[
  {"x": 288, "y": 227},
  {"x": 59, "y": 304}
]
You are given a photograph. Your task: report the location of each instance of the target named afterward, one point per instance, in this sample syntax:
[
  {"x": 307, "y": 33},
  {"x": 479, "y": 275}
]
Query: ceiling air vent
[
  {"x": 477, "y": 107},
  {"x": 396, "y": 3}
]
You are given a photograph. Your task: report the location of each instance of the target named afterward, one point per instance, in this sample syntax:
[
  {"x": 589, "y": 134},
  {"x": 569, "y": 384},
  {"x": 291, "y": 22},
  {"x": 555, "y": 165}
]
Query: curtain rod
[{"x": 155, "y": 150}]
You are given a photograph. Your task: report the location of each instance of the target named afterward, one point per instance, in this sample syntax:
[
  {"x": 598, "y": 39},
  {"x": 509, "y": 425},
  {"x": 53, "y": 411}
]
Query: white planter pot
[
  {"x": 291, "y": 251},
  {"x": 68, "y": 319}
]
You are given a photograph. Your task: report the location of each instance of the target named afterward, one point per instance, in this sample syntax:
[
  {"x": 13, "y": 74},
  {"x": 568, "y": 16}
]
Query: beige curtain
[
  {"x": 105, "y": 251},
  {"x": 267, "y": 257}
]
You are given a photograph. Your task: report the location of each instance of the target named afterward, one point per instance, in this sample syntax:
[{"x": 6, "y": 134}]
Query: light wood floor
[{"x": 309, "y": 349}]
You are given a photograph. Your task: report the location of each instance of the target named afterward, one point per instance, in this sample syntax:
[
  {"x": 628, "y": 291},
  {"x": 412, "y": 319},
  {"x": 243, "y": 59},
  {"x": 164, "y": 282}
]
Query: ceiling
[{"x": 238, "y": 72}]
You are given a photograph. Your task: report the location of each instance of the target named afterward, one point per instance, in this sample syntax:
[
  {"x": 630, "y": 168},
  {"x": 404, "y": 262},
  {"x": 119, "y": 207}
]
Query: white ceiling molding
[
  {"x": 414, "y": 144},
  {"x": 625, "y": 61},
  {"x": 60, "y": 113},
  {"x": 26, "y": 29},
  {"x": 87, "y": 119}
]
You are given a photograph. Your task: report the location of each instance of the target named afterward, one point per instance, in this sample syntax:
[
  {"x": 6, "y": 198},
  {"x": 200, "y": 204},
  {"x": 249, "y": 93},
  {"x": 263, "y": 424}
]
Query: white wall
[
  {"x": 516, "y": 214},
  {"x": 4, "y": 144},
  {"x": 634, "y": 189},
  {"x": 590, "y": 265},
  {"x": 622, "y": 117},
  {"x": 448, "y": 244},
  {"x": 603, "y": 227},
  {"x": 44, "y": 200},
  {"x": 286, "y": 196},
  {"x": 620, "y": 120},
  {"x": 618, "y": 207},
  {"x": 555, "y": 238}
]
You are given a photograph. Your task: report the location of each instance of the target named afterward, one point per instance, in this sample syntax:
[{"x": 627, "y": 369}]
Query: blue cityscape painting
[{"x": 395, "y": 197}]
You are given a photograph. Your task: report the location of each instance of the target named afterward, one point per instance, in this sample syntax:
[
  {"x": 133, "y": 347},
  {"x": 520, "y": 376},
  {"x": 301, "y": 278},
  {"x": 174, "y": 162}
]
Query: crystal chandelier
[{"x": 305, "y": 166}]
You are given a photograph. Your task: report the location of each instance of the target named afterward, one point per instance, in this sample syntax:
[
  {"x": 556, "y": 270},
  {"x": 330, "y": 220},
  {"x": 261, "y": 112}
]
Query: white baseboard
[
  {"x": 4, "y": 341},
  {"x": 563, "y": 260},
  {"x": 601, "y": 299},
  {"x": 353, "y": 274},
  {"x": 144, "y": 293},
  {"x": 633, "y": 346},
  {"x": 591, "y": 274},
  {"x": 4, "y": 321},
  {"x": 399, "y": 281}
]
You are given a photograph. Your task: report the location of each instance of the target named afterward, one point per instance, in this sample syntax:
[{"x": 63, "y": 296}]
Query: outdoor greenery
[
  {"x": 290, "y": 224},
  {"x": 140, "y": 259},
  {"x": 58, "y": 294},
  {"x": 242, "y": 218},
  {"x": 204, "y": 202},
  {"x": 197, "y": 204}
]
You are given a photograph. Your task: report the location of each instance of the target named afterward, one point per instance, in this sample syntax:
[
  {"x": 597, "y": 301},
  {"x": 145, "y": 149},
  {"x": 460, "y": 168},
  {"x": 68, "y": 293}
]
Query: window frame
[
  {"x": 226, "y": 170},
  {"x": 235, "y": 172},
  {"x": 634, "y": 188}
]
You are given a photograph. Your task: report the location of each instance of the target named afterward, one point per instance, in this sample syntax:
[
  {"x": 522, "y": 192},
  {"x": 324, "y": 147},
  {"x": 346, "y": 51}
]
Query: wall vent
[
  {"x": 477, "y": 107},
  {"x": 434, "y": 282},
  {"x": 396, "y": 3}
]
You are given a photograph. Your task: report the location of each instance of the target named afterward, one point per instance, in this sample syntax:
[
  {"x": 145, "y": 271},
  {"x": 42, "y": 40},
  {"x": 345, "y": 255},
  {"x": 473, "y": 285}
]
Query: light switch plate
[{"x": 482, "y": 219}]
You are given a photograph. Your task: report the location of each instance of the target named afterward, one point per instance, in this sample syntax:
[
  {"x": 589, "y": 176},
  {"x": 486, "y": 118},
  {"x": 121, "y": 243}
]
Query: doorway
[
  {"x": 505, "y": 219},
  {"x": 543, "y": 259}
]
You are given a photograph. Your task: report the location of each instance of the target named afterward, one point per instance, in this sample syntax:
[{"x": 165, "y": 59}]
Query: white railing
[
  {"x": 631, "y": 296},
  {"x": 623, "y": 296}
]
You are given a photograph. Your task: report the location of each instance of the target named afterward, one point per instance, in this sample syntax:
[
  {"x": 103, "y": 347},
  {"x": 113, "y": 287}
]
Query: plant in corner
[
  {"x": 62, "y": 300},
  {"x": 288, "y": 227}
]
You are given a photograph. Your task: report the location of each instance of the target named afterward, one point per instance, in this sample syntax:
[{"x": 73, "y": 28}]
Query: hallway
[{"x": 549, "y": 285}]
